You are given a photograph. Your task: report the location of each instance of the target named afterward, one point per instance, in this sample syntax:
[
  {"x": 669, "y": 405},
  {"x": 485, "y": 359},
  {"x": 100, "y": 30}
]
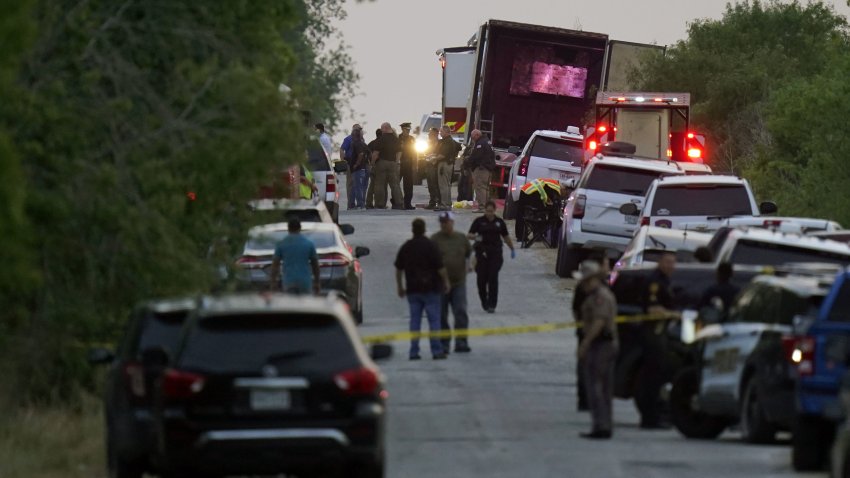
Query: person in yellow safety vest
[
  {"x": 306, "y": 186},
  {"x": 548, "y": 189}
]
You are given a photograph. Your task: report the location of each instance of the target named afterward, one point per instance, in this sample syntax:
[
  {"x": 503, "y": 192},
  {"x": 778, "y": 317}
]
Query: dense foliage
[
  {"x": 766, "y": 90},
  {"x": 117, "y": 110}
]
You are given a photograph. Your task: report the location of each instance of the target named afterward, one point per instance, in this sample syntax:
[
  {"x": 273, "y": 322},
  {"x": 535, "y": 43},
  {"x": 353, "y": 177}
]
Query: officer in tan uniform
[{"x": 598, "y": 348}]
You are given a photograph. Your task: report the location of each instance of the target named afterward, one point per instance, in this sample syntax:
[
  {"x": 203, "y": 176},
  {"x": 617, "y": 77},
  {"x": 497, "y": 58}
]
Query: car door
[
  {"x": 831, "y": 335},
  {"x": 608, "y": 187}
]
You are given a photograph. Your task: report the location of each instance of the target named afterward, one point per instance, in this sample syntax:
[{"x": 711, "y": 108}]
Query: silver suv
[{"x": 592, "y": 217}]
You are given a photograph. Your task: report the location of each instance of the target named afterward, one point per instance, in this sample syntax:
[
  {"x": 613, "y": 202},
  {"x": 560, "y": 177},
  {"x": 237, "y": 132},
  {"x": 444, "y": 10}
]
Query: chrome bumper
[{"x": 274, "y": 434}]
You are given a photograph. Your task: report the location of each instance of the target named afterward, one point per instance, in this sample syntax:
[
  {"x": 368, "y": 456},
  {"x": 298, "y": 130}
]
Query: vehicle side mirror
[
  {"x": 100, "y": 356},
  {"x": 155, "y": 359},
  {"x": 571, "y": 183},
  {"x": 629, "y": 209},
  {"x": 515, "y": 150},
  {"x": 768, "y": 207},
  {"x": 381, "y": 351},
  {"x": 346, "y": 229},
  {"x": 361, "y": 251},
  {"x": 340, "y": 167}
]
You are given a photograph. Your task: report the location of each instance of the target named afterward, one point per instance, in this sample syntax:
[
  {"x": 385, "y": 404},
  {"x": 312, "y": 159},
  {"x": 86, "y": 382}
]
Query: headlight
[{"x": 421, "y": 145}]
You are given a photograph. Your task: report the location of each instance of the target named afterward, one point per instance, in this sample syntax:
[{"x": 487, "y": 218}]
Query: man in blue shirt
[
  {"x": 345, "y": 151},
  {"x": 298, "y": 255}
]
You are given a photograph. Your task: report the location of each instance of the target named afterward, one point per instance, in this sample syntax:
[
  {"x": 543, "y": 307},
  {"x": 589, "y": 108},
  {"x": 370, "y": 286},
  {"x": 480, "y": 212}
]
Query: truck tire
[
  {"x": 690, "y": 422},
  {"x": 755, "y": 427},
  {"x": 510, "y": 208},
  {"x": 810, "y": 443},
  {"x": 568, "y": 259}
]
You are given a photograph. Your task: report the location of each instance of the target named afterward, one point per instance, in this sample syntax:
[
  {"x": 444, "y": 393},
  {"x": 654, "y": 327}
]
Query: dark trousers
[
  {"x": 407, "y": 178},
  {"x": 580, "y": 383},
  {"x": 433, "y": 187},
  {"x": 599, "y": 377},
  {"x": 456, "y": 298},
  {"x": 464, "y": 186},
  {"x": 487, "y": 269}
]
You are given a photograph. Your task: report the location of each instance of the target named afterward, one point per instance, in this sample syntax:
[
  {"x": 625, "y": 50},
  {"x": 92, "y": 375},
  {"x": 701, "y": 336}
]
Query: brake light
[
  {"x": 602, "y": 128},
  {"x": 135, "y": 376},
  {"x": 592, "y": 145},
  {"x": 179, "y": 384},
  {"x": 694, "y": 153},
  {"x": 359, "y": 381},
  {"x": 581, "y": 204},
  {"x": 331, "y": 184},
  {"x": 772, "y": 223},
  {"x": 644, "y": 221},
  {"x": 801, "y": 354},
  {"x": 523, "y": 165},
  {"x": 333, "y": 260}
]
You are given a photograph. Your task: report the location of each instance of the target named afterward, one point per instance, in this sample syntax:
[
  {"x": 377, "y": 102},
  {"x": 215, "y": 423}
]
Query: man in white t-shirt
[{"x": 325, "y": 140}]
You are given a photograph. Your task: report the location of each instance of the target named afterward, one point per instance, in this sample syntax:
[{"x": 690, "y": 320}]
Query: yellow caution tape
[{"x": 510, "y": 330}]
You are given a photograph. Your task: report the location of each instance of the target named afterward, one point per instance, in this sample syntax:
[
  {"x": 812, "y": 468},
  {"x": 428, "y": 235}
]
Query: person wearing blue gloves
[{"x": 488, "y": 232}]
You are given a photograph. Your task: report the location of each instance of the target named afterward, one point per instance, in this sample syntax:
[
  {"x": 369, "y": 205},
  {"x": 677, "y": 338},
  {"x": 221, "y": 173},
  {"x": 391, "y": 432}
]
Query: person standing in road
[
  {"x": 370, "y": 168},
  {"x": 598, "y": 349},
  {"x": 446, "y": 155},
  {"x": 657, "y": 299},
  {"x": 300, "y": 262},
  {"x": 325, "y": 141},
  {"x": 345, "y": 155},
  {"x": 464, "y": 184},
  {"x": 488, "y": 232},
  {"x": 455, "y": 250},
  {"x": 386, "y": 167},
  {"x": 579, "y": 295},
  {"x": 408, "y": 164},
  {"x": 431, "y": 169},
  {"x": 358, "y": 169},
  {"x": 420, "y": 264},
  {"x": 722, "y": 293},
  {"x": 482, "y": 162}
]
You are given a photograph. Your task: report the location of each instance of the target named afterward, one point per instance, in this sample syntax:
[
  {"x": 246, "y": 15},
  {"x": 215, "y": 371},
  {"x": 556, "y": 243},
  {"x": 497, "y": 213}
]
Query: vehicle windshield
[
  {"x": 558, "y": 149},
  {"x": 431, "y": 122},
  {"x": 616, "y": 179},
  {"x": 243, "y": 344},
  {"x": 702, "y": 200},
  {"x": 769, "y": 254},
  {"x": 840, "y": 311},
  {"x": 268, "y": 240},
  {"x": 162, "y": 330},
  {"x": 272, "y": 216}
]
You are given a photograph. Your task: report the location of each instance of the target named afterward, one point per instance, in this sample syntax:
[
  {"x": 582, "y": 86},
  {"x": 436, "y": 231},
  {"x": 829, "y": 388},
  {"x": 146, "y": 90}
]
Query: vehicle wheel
[
  {"x": 372, "y": 470},
  {"x": 335, "y": 212},
  {"x": 690, "y": 422},
  {"x": 510, "y": 208},
  {"x": 755, "y": 427},
  {"x": 810, "y": 443},
  {"x": 118, "y": 467},
  {"x": 358, "y": 316},
  {"x": 568, "y": 260}
]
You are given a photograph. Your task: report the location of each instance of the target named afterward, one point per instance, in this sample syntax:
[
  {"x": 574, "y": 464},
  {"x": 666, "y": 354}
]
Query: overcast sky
[{"x": 393, "y": 42}]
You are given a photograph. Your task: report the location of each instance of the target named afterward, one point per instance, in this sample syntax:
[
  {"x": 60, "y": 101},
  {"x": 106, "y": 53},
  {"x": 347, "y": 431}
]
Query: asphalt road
[{"x": 508, "y": 409}]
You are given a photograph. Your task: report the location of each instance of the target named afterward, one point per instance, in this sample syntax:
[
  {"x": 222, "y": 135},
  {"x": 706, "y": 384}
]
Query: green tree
[
  {"x": 732, "y": 66},
  {"x": 122, "y": 109}
]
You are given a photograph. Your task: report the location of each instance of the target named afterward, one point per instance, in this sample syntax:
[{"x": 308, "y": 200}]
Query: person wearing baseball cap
[{"x": 455, "y": 250}]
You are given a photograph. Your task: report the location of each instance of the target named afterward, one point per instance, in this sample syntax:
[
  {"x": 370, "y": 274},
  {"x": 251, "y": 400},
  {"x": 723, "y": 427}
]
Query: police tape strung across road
[{"x": 509, "y": 330}]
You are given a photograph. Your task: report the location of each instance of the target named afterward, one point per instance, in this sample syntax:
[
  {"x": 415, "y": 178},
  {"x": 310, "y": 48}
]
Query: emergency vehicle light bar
[{"x": 613, "y": 98}]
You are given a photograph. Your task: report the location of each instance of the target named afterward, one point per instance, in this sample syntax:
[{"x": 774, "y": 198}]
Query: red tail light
[
  {"x": 359, "y": 381},
  {"x": 694, "y": 153},
  {"x": 581, "y": 204},
  {"x": 772, "y": 223},
  {"x": 644, "y": 221},
  {"x": 591, "y": 145},
  {"x": 333, "y": 260},
  {"x": 800, "y": 351},
  {"x": 179, "y": 384},
  {"x": 331, "y": 183},
  {"x": 135, "y": 376},
  {"x": 523, "y": 165}
]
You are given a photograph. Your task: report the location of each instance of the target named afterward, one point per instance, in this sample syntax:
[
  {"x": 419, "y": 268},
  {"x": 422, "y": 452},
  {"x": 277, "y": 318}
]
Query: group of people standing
[
  {"x": 390, "y": 162},
  {"x": 431, "y": 274}
]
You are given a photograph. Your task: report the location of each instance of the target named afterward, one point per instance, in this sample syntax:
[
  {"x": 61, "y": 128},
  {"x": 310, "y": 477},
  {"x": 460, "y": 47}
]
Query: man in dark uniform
[
  {"x": 579, "y": 294},
  {"x": 370, "y": 190},
  {"x": 657, "y": 299},
  {"x": 464, "y": 184},
  {"x": 408, "y": 164},
  {"x": 431, "y": 169},
  {"x": 482, "y": 161},
  {"x": 386, "y": 167},
  {"x": 447, "y": 151},
  {"x": 488, "y": 232},
  {"x": 722, "y": 292}
]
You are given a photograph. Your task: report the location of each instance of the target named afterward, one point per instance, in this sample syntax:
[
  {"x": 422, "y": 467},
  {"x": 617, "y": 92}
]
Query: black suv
[
  {"x": 269, "y": 384},
  {"x": 130, "y": 437}
]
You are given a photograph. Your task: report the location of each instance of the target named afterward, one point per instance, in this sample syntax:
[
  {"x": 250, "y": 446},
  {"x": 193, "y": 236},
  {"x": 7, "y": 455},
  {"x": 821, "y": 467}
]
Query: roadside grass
[{"x": 53, "y": 442}]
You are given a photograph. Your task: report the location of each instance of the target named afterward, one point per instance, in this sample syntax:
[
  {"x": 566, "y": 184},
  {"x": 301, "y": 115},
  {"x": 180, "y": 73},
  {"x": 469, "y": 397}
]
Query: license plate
[
  {"x": 631, "y": 219},
  {"x": 565, "y": 176},
  {"x": 270, "y": 399}
]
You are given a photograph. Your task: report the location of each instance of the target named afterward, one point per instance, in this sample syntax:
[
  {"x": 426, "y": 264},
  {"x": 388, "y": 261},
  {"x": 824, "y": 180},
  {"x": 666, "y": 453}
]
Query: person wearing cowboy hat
[{"x": 598, "y": 348}]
